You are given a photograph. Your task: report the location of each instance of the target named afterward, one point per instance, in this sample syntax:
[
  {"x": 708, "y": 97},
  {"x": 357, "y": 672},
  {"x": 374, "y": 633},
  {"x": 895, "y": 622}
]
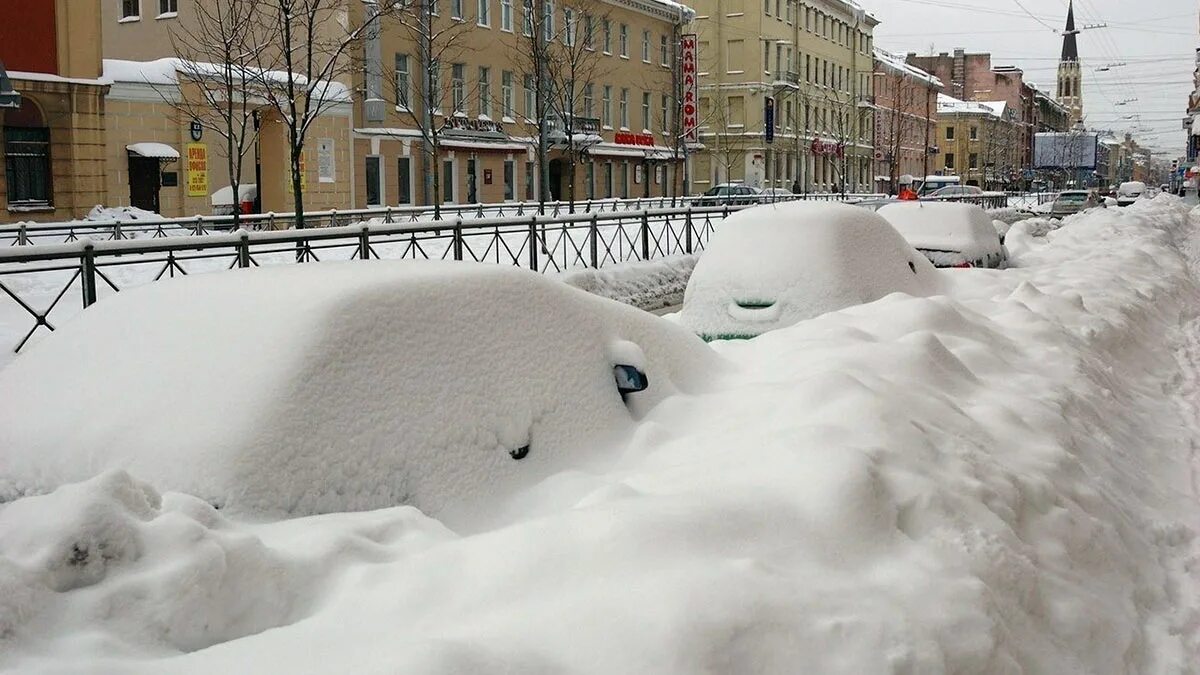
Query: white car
[
  {"x": 338, "y": 387},
  {"x": 949, "y": 234},
  {"x": 771, "y": 266},
  {"x": 1130, "y": 192}
]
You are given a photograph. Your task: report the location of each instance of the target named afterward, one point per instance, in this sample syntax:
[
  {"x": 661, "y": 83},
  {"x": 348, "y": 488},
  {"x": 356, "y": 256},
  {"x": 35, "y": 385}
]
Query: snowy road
[{"x": 998, "y": 479}]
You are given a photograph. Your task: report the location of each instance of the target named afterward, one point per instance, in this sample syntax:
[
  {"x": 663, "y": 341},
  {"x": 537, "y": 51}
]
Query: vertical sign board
[
  {"x": 769, "y": 118},
  {"x": 197, "y": 170},
  {"x": 689, "y": 77},
  {"x": 303, "y": 174}
]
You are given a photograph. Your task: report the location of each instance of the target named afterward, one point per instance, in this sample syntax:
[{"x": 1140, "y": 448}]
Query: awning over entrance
[{"x": 151, "y": 150}]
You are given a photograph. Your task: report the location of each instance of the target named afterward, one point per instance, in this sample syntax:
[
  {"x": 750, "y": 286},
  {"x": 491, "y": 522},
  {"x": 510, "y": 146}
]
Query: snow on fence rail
[{"x": 44, "y": 284}]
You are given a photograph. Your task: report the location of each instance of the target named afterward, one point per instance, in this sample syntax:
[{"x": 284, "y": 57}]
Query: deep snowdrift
[
  {"x": 995, "y": 481},
  {"x": 342, "y": 387}
]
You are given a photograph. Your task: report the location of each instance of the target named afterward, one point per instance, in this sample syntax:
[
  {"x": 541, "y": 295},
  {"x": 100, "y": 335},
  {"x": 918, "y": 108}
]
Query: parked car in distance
[
  {"x": 934, "y": 183},
  {"x": 771, "y": 266},
  {"x": 949, "y": 234},
  {"x": 1130, "y": 192},
  {"x": 952, "y": 191},
  {"x": 1070, "y": 202},
  {"x": 729, "y": 194}
]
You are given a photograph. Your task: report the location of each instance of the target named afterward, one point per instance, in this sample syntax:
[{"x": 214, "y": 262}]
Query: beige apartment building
[
  {"x": 809, "y": 62},
  {"x": 610, "y": 92},
  {"x": 979, "y": 141}
]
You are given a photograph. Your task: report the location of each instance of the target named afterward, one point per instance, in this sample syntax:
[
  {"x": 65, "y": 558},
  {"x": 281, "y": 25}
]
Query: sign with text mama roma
[{"x": 691, "y": 90}]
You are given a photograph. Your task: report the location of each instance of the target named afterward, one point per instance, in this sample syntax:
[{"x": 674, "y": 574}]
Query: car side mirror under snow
[{"x": 630, "y": 379}]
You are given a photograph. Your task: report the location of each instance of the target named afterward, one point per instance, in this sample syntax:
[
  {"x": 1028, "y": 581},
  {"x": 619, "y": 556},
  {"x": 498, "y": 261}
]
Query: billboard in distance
[{"x": 1065, "y": 150}]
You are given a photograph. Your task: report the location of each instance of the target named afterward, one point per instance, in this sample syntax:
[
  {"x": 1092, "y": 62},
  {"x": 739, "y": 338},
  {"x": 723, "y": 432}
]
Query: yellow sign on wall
[{"x": 197, "y": 170}]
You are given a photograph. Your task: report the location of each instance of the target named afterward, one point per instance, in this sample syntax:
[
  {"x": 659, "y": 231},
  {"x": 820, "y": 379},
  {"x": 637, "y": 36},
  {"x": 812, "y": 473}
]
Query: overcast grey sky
[{"x": 1156, "y": 38}]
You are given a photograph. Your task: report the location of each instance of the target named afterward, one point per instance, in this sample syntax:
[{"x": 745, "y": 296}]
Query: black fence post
[
  {"x": 688, "y": 233},
  {"x": 645, "y": 235},
  {"x": 244, "y": 250},
  {"x": 87, "y": 277},
  {"x": 458, "y": 238},
  {"x": 22, "y": 235},
  {"x": 593, "y": 233},
  {"x": 533, "y": 243},
  {"x": 364, "y": 243}
]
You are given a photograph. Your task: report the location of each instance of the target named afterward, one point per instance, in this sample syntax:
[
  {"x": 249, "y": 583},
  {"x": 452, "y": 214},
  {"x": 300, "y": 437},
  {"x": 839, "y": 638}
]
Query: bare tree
[
  {"x": 441, "y": 42},
  {"x": 316, "y": 42},
  {"x": 217, "y": 52}
]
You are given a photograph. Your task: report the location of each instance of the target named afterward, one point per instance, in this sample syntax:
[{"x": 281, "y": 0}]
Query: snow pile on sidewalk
[
  {"x": 995, "y": 481},
  {"x": 122, "y": 214},
  {"x": 647, "y": 285}
]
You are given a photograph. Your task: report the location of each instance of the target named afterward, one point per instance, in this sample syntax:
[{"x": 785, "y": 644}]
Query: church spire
[{"x": 1070, "y": 50}]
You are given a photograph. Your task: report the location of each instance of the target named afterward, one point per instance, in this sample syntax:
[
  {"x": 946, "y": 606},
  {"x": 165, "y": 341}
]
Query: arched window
[{"x": 27, "y": 156}]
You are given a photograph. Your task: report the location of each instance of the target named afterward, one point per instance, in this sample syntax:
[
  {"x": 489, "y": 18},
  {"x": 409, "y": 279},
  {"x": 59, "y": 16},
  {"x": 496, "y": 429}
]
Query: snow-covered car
[
  {"x": 771, "y": 266},
  {"x": 949, "y": 234},
  {"x": 728, "y": 194},
  {"x": 955, "y": 192},
  {"x": 776, "y": 194},
  {"x": 339, "y": 387},
  {"x": 1130, "y": 192},
  {"x": 1070, "y": 202}
]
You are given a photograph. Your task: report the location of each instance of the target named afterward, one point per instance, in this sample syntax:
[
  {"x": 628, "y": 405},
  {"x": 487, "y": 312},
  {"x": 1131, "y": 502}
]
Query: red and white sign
[
  {"x": 691, "y": 88},
  {"x": 820, "y": 147},
  {"x": 628, "y": 138}
]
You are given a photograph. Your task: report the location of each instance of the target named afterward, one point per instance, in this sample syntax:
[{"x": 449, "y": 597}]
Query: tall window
[
  {"x": 404, "y": 179},
  {"x": 606, "y": 107},
  {"x": 131, "y": 9},
  {"x": 624, "y": 108},
  {"x": 587, "y": 100},
  {"x": 662, "y": 50},
  {"x": 665, "y": 117},
  {"x": 168, "y": 6},
  {"x": 568, "y": 27},
  {"x": 547, "y": 20},
  {"x": 485, "y": 91},
  {"x": 607, "y": 36},
  {"x": 530, "y": 113},
  {"x": 458, "y": 88},
  {"x": 624, "y": 40},
  {"x": 589, "y": 32},
  {"x": 527, "y": 18},
  {"x": 435, "y": 85},
  {"x": 509, "y": 180},
  {"x": 485, "y": 12},
  {"x": 766, "y": 57},
  {"x": 27, "y": 163},
  {"x": 374, "y": 175},
  {"x": 949, "y": 133},
  {"x": 646, "y": 110},
  {"x": 646, "y": 46},
  {"x": 403, "y": 85},
  {"x": 456, "y": 7},
  {"x": 506, "y": 93},
  {"x": 506, "y": 15}
]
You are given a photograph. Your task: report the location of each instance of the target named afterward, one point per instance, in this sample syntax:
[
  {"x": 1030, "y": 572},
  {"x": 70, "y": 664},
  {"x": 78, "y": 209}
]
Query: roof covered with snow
[
  {"x": 167, "y": 72},
  {"x": 896, "y": 64},
  {"x": 948, "y": 105},
  {"x": 153, "y": 150}
]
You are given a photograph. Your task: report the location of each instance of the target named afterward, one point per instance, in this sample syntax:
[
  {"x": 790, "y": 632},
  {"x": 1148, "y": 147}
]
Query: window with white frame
[
  {"x": 665, "y": 114},
  {"x": 645, "y": 46},
  {"x": 606, "y": 107},
  {"x": 530, "y": 107},
  {"x": 485, "y": 91},
  {"x": 663, "y": 54},
  {"x": 646, "y": 111},
  {"x": 547, "y": 20},
  {"x": 485, "y": 13},
  {"x": 588, "y": 102},
  {"x": 589, "y": 32},
  {"x": 433, "y": 7},
  {"x": 131, "y": 9},
  {"x": 624, "y": 41},
  {"x": 403, "y": 83},
  {"x": 168, "y": 8},
  {"x": 506, "y": 93},
  {"x": 527, "y": 18},
  {"x": 607, "y": 36},
  {"x": 458, "y": 88},
  {"x": 506, "y": 15},
  {"x": 435, "y": 86},
  {"x": 624, "y": 108},
  {"x": 568, "y": 37},
  {"x": 456, "y": 7}
]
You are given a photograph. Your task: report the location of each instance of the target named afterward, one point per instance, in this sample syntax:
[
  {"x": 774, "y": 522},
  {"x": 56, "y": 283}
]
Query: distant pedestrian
[
  {"x": 796, "y": 187},
  {"x": 906, "y": 191}
]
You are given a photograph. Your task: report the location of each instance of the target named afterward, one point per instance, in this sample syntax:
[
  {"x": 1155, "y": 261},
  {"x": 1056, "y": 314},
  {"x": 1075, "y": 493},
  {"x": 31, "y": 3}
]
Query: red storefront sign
[
  {"x": 820, "y": 147},
  {"x": 627, "y": 138},
  {"x": 691, "y": 102}
]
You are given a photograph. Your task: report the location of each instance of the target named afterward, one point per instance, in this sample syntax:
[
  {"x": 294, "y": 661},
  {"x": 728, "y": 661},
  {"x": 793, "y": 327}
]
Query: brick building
[
  {"x": 52, "y": 117},
  {"x": 905, "y": 120}
]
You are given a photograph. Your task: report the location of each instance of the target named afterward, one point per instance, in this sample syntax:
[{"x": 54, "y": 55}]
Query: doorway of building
[
  {"x": 556, "y": 177},
  {"x": 145, "y": 179},
  {"x": 472, "y": 190}
]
